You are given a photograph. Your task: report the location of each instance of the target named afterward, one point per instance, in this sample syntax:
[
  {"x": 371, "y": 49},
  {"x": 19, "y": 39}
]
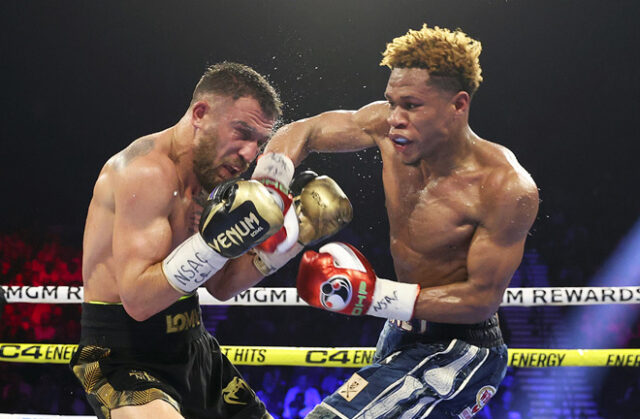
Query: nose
[
  {"x": 397, "y": 117},
  {"x": 248, "y": 151}
]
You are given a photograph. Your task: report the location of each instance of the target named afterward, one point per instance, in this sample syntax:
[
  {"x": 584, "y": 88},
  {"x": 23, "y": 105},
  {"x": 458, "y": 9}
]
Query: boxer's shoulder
[
  {"x": 500, "y": 164},
  {"x": 508, "y": 184},
  {"x": 509, "y": 199},
  {"x": 142, "y": 172},
  {"x": 372, "y": 118},
  {"x": 144, "y": 160}
]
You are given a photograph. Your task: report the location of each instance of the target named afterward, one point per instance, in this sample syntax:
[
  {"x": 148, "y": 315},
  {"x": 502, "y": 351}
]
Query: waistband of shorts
[
  {"x": 109, "y": 325},
  {"x": 484, "y": 334}
]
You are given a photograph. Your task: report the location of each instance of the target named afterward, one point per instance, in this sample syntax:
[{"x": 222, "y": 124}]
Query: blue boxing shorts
[{"x": 423, "y": 369}]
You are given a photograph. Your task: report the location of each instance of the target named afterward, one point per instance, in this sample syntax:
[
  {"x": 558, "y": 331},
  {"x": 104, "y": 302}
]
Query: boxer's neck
[{"x": 452, "y": 154}]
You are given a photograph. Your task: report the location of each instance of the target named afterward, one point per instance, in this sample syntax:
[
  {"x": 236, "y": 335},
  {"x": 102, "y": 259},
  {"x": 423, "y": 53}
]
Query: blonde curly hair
[{"x": 451, "y": 58}]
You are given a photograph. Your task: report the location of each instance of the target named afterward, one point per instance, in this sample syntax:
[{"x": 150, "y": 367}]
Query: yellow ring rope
[{"x": 351, "y": 357}]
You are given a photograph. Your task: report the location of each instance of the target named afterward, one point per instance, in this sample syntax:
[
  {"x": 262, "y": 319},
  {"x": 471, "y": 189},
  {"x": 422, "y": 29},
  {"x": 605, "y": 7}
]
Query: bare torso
[
  {"x": 459, "y": 207},
  {"x": 98, "y": 262},
  {"x": 433, "y": 219}
]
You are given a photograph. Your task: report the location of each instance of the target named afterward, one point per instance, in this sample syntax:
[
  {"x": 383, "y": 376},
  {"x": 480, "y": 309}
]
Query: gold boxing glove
[
  {"x": 238, "y": 216},
  {"x": 322, "y": 209}
]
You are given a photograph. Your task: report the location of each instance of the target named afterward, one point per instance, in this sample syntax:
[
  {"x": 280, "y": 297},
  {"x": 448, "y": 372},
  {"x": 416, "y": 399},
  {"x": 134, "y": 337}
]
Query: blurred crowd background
[{"x": 289, "y": 392}]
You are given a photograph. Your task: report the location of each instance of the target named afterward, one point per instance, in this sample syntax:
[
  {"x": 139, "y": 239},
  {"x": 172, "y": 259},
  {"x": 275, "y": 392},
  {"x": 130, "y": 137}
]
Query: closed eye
[
  {"x": 404, "y": 105},
  {"x": 244, "y": 135}
]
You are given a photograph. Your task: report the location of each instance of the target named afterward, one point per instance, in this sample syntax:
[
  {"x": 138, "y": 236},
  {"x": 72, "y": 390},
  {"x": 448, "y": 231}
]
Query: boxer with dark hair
[{"x": 152, "y": 238}]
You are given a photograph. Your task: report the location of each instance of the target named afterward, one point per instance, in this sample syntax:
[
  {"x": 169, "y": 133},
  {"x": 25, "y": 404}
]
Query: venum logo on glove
[{"x": 235, "y": 228}]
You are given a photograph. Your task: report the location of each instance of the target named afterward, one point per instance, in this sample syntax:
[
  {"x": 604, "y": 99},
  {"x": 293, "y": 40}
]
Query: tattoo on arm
[
  {"x": 194, "y": 219},
  {"x": 136, "y": 149},
  {"x": 201, "y": 198}
]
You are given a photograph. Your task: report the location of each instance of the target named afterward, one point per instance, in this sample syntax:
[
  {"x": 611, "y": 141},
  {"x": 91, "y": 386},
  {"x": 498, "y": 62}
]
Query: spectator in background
[
  {"x": 272, "y": 392},
  {"x": 329, "y": 384},
  {"x": 300, "y": 399}
]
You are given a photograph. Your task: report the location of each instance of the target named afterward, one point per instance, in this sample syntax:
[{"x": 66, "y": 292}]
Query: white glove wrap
[
  {"x": 191, "y": 264},
  {"x": 268, "y": 263},
  {"x": 276, "y": 166},
  {"x": 393, "y": 300}
]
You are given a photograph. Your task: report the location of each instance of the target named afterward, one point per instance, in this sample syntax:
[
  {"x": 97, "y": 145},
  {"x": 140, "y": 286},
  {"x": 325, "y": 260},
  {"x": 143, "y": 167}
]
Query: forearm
[
  {"x": 331, "y": 132},
  {"x": 148, "y": 293},
  {"x": 292, "y": 140},
  {"x": 461, "y": 302},
  {"x": 237, "y": 276}
]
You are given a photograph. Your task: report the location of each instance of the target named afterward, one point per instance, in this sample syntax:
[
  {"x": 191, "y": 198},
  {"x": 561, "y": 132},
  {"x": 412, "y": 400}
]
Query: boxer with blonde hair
[{"x": 459, "y": 208}]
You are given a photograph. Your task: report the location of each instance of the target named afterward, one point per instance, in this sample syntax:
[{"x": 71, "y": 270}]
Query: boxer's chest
[
  {"x": 185, "y": 218},
  {"x": 435, "y": 218}
]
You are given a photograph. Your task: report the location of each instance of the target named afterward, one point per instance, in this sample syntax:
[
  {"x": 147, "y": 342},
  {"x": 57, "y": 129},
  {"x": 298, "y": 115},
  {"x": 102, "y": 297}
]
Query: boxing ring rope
[
  {"x": 36, "y": 416},
  {"x": 282, "y": 296},
  {"x": 346, "y": 357}
]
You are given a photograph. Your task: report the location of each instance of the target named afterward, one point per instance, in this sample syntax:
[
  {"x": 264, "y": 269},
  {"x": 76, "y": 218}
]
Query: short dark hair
[{"x": 238, "y": 80}]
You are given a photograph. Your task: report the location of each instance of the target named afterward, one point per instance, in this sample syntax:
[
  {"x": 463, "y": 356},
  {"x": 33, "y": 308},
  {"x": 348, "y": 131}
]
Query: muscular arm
[
  {"x": 142, "y": 237},
  {"x": 237, "y": 276},
  {"x": 495, "y": 253},
  {"x": 335, "y": 131}
]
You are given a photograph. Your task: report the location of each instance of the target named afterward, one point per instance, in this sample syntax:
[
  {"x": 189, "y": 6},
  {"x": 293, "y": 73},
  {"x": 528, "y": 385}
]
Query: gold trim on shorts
[{"x": 97, "y": 387}]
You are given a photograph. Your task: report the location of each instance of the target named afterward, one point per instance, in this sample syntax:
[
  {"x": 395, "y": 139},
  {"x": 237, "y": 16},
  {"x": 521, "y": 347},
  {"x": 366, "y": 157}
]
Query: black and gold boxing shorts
[{"x": 170, "y": 357}]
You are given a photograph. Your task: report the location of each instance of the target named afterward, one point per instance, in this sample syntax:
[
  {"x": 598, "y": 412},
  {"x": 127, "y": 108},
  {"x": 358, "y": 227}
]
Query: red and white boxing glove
[
  {"x": 340, "y": 279},
  {"x": 275, "y": 171}
]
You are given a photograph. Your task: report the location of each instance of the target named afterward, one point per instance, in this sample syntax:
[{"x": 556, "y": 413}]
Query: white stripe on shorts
[
  {"x": 441, "y": 379},
  {"x": 392, "y": 397},
  {"x": 462, "y": 386}
]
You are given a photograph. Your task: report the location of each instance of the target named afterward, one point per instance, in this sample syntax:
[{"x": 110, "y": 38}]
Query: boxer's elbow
[
  {"x": 484, "y": 305},
  {"x": 223, "y": 295},
  {"x": 137, "y": 311},
  {"x": 137, "y": 304},
  {"x": 236, "y": 277},
  {"x": 485, "y": 313},
  {"x": 221, "y": 291}
]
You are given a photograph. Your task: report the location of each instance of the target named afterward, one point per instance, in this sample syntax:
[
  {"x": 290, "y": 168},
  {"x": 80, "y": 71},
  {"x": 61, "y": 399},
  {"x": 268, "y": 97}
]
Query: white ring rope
[
  {"x": 37, "y": 416},
  {"x": 279, "y": 296}
]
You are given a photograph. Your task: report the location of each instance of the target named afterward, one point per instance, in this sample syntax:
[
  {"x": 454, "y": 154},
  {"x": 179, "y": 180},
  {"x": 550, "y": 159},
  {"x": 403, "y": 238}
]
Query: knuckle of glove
[
  {"x": 301, "y": 180},
  {"x": 233, "y": 223},
  {"x": 322, "y": 208}
]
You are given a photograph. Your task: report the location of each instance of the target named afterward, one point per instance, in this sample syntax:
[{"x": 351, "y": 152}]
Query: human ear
[
  {"x": 198, "y": 112},
  {"x": 461, "y": 101}
]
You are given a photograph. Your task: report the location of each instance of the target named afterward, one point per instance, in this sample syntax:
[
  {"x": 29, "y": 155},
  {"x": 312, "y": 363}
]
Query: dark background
[{"x": 80, "y": 80}]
